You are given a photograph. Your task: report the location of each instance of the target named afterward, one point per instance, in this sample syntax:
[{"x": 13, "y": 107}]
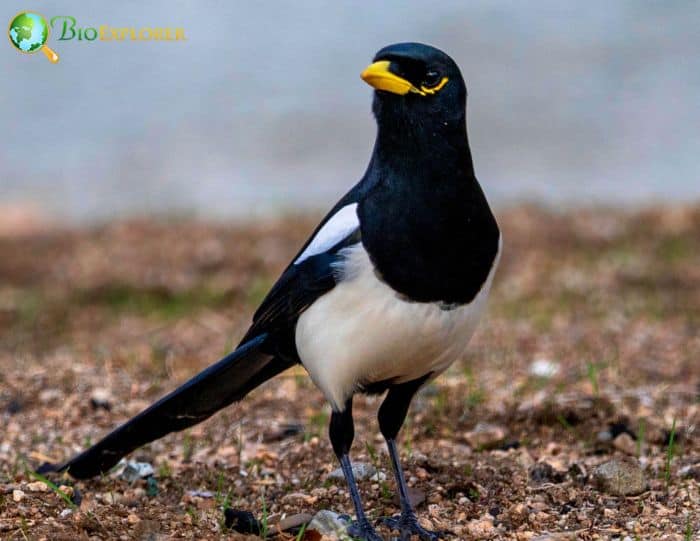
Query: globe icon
[{"x": 28, "y": 32}]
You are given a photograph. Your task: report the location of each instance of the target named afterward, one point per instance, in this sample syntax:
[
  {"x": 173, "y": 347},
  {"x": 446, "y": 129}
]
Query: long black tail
[{"x": 225, "y": 382}]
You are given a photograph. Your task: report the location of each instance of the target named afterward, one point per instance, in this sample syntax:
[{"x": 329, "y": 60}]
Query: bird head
[{"x": 416, "y": 84}]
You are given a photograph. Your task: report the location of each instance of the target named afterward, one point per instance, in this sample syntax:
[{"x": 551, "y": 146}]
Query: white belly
[{"x": 362, "y": 332}]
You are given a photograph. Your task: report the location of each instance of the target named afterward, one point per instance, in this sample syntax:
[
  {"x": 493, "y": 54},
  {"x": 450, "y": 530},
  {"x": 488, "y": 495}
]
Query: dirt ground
[{"x": 590, "y": 352}]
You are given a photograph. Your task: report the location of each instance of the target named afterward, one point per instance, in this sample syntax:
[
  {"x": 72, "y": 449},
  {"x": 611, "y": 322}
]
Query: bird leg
[
  {"x": 406, "y": 523},
  {"x": 342, "y": 432},
  {"x": 392, "y": 414}
]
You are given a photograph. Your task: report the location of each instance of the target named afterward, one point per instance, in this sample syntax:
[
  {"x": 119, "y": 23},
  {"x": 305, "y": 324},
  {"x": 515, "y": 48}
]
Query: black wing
[
  {"x": 298, "y": 287},
  {"x": 267, "y": 349}
]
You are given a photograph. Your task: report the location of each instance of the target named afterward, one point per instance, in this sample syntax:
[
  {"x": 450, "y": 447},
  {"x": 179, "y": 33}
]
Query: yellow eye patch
[
  {"x": 378, "y": 76},
  {"x": 433, "y": 89}
]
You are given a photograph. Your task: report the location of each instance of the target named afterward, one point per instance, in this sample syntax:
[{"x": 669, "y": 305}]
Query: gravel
[{"x": 129, "y": 310}]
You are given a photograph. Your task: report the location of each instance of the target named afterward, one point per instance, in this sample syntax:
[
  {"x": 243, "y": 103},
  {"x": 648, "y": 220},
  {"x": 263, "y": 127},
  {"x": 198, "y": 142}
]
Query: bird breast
[{"x": 362, "y": 331}]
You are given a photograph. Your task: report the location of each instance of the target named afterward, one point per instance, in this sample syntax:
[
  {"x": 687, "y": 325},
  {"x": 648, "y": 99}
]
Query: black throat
[{"x": 424, "y": 219}]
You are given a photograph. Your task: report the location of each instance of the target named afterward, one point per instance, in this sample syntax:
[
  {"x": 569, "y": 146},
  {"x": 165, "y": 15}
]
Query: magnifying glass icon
[{"x": 29, "y": 32}]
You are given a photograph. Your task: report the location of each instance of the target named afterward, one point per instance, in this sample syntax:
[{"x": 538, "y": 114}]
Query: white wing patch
[{"x": 343, "y": 222}]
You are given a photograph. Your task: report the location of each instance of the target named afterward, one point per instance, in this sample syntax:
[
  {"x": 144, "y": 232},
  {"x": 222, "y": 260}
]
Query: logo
[{"x": 29, "y": 32}]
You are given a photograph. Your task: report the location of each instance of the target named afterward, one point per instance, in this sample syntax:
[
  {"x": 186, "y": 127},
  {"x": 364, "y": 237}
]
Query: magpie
[{"x": 384, "y": 295}]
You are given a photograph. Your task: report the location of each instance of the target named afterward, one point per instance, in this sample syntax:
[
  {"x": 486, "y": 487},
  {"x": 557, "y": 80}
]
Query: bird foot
[
  {"x": 407, "y": 525},
  {"x": 363, "y": 530}
]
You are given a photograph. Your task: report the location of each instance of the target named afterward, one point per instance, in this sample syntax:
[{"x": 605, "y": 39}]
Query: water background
[{"x": 262, "y": 108}]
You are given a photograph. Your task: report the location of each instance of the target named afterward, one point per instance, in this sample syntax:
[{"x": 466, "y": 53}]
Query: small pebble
[
  {"x": 17, "y": 495},
  {"x": 518, "y": 510},
  {"x": 101, "y": 399},
  {"x": 620, "y": 477},
  {"x": 604, "y": 436},
  {"x": 360, "y": 470},
  {"x": 577, "y": 473},
  {"x": 485, "y": 436},
  {"x": 296, "y": 498},
  {"x": 135, "y": 470},
  {"x": 543, "y": 368},
  {"x": 50, "y": 395},
  {"x": 67, "y": 490},
  {"x": 543, "y": 472},
  {"x": 480, "y": 528},
  {"x": 421, "y": 473},
  {"x": 37, "y": 486},
  {"x": 626, "y": 444},
  {"x": 109, "y": 498},
  {"x": 200, "y": 493},
  {"x": 330, "y": 523},
  {"x": 434, "y": 510},
  {"x": 691, "y": 471}
]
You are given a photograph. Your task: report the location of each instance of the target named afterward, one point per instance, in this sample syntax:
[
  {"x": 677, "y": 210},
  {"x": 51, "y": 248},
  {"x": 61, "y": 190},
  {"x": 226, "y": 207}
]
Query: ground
[{"x": 589, "y": 352}]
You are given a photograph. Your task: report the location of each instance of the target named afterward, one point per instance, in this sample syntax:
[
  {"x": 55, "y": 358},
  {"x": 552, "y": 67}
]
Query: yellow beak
[{"x": 379, "y": 76}]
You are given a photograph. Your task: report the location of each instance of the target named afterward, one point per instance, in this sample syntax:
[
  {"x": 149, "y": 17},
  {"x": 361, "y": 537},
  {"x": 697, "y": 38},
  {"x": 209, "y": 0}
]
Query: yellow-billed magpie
[{"x": 384, "y": 295}]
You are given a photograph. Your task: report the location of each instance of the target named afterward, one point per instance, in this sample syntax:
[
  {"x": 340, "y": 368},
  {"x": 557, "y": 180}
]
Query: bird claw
[
  {"x": 363, "y": 531},
  {"x": 408, "y": 526}
]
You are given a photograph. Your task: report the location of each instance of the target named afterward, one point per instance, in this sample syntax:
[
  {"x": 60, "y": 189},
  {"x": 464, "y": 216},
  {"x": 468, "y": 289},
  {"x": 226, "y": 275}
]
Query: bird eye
[{"x": 431, "y": 79}]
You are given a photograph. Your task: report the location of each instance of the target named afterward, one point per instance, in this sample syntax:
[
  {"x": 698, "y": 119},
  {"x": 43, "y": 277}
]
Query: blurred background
[{"x": 262, "y": 109}]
